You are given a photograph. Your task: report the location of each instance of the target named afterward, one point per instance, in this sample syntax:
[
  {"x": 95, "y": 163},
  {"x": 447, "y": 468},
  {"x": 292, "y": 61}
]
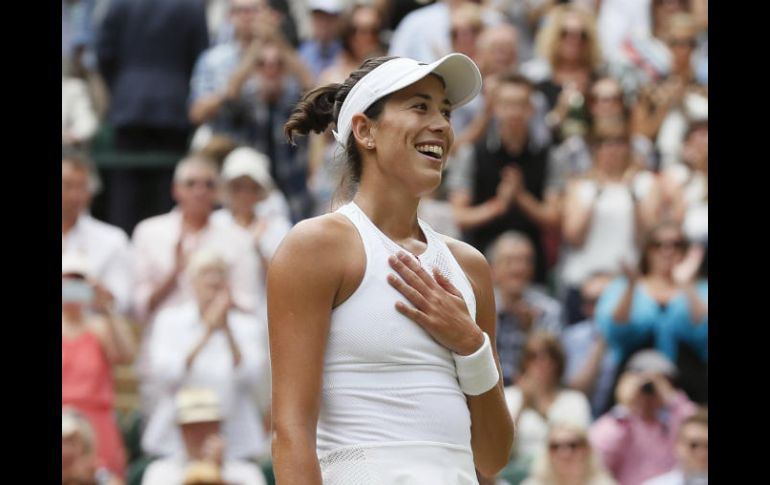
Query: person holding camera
[
  {"x": 93, "y": 340},
  {"x": 636, "y": 439}
]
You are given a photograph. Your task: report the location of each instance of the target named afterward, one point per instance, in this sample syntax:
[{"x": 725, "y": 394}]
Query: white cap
[
  {"x": 73, "y": 262},
  {"x": 329, "y": 6},
  {"x": 197, "y": 405},
  {"x": 459, "y": 72},
  {"x": 249, "y": 162}
]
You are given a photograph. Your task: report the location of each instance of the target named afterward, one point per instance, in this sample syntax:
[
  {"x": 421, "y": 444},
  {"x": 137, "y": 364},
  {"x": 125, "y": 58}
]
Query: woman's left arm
[
  {"x": 440, "y": 309},
  {"x": 492, "y": 429}
]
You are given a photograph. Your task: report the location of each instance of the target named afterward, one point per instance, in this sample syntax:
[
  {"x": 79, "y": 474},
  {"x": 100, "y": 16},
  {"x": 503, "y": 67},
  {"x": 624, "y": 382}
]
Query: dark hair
[
  {"x": 321, "y": 107},
  {"x": 649, "y": 239},
  {"x": 695, "y": 126}
]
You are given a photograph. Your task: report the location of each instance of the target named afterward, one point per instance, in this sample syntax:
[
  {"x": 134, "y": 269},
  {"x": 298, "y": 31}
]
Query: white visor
[{"x": 459, "y": 72}]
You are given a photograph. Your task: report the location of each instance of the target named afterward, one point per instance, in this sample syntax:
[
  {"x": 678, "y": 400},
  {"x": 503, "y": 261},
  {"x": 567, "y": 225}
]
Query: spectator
[
  {"x": 636, "y": 439},
  {"x": 147, "y": 67},
  {"x": 589, "y": 367},
  {"x": 572, "y": 157},
  {"x": 162, "y": 244},
  {"x": 361, "y": 40},
  {"x": 568, "y": 459},
  {"x": 666, "y": 305},
  {"x": 105, "y": 246},
  {"x": 252, "y": 201},
  {"x": 692, "y": 453},
  {"x": 605, "y": 213},
  {"x": 199, "y": 416},
  {"x": 91, "y": 344},
  {"x": 412, "y": 39},
  {"x": 220, "y": 66},
  {"x": 78, "y": 457},
  {"x": 522, "y": 309},
  {"x": 666, "y": 107},
  {"x": 686, "y": 184},
  {"x": 271, "y": 88},
  {"x": 568, "y": 58},
  {"x": 539, "y": 398},
  {"x": 319, "y": 51},
  {"x": 209, "y": 343},
  {"x": 499, "y": 184}
]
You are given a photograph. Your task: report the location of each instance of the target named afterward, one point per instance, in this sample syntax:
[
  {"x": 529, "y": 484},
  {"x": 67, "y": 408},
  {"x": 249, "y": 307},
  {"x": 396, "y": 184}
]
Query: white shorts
[{"x": 399, "y": 463}]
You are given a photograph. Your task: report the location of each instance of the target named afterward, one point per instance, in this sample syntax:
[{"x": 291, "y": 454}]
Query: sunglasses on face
[
  {"x": 249, "y": 9},
  {"x": 678, "y": 244},
  {"x": 575, "y": 445},
  {"x": 365, "y": 29},
  {"x": 694, "y": 445},
  {"x": 207, "y": 183},
  {"x": 270, "y": 63},
  {"x": 574, "y": 33},
  {"x": 681, "y": 42},
  {"x": 467, "y": 30},
  {"x": 617, "y": 140}
]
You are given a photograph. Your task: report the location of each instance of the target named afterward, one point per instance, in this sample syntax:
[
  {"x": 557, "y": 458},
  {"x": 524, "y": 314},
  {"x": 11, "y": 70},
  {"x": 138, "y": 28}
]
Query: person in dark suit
[{"x": 146, "y": 50}]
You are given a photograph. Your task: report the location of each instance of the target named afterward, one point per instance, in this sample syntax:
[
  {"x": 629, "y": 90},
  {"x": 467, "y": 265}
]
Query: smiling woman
[{"x": 380, "y": 328}]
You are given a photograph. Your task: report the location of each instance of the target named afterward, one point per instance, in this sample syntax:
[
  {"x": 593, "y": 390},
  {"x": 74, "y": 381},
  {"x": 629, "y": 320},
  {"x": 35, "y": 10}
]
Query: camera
[{"x": 648, "y": 388}]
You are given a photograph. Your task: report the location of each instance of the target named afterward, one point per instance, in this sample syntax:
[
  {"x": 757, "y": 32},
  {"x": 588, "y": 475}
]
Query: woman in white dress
[{"x": 380, "y": 328}]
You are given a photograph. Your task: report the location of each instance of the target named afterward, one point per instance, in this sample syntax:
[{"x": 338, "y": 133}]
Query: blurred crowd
[{"x": 581, "y": 172}]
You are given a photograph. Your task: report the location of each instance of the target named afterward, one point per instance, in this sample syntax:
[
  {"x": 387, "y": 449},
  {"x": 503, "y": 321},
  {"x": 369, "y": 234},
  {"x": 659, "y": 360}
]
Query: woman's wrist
[{"x": 477, "y": 373}]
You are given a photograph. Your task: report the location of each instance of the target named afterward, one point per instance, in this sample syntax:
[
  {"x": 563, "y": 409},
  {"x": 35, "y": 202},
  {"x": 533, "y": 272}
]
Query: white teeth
[{"x": 438, "y": 150}]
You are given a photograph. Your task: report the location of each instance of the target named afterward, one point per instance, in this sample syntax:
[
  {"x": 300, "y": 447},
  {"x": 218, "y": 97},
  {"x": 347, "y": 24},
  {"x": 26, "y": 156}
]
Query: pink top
[
  {"x": 86, "y": 374},
  {"x": 635, "y": 450}
]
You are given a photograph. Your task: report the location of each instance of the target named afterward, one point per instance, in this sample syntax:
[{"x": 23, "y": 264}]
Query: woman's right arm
[
  {"x": 303, "y": 283},
  {"x": 576, "y": 216}
]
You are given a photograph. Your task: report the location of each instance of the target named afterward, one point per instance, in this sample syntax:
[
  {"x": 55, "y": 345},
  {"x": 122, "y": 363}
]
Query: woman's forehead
[{"x": 431, "y": 85}]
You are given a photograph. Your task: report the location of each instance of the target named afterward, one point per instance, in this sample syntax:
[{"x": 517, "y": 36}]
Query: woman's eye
[
  {"x": 447, "y": 114},
  {"x": 421, "y": 106}
]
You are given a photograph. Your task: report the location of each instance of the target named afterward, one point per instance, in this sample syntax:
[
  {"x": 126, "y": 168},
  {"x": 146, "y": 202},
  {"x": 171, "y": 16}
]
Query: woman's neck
[{"x": 392, "y": 211}]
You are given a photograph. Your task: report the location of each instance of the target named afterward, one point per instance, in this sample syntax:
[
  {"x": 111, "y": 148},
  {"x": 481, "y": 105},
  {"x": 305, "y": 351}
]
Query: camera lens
[{"x": 648, "y": 388}]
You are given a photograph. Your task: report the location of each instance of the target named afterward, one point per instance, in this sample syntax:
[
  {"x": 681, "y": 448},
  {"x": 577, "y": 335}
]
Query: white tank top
[
  {"x": 610, "y": 236},
  {"x": 385, "y": 379}
]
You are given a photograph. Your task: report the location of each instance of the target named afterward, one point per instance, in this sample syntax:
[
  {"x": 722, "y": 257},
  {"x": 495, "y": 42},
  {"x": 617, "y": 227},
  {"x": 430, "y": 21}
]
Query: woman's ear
[{"x": 362, "y": 128}]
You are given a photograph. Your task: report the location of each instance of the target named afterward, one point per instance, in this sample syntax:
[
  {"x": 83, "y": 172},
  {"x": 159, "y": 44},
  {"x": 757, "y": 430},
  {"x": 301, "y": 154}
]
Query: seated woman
[
  {"x": 93, "y": 339},
  {"x": 537, "y": 398},
  {"x": 568, "y": 458},
  {"x": 208, "y": 343},
  {"x": 666, "y": 305}
]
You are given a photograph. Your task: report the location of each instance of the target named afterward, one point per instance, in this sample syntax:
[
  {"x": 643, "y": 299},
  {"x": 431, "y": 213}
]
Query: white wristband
[{"x": 477, "y": 372}]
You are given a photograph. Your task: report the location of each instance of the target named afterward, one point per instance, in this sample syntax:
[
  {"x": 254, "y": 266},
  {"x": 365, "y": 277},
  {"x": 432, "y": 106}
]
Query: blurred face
[
  {"x": 663, "y": 9},
  {"x": 681, "y": 44},
  {"x": 195, "y": 191},
  {"x": 72, "y": 449},
  {"x": 324, "y": 25},
  {"x": 612, "y": 154},
  {"x": 271, "y": 70},
  {"x": 413, "y": 136},
  {"x": 76, "y": 294},
  {"x": 208, "y": 282},
  {"x": 244, "y": 15},
  {"x": 513, "y": 108},
  {"x": 666, "y": 250},
  {"x": 75, "y": 195},
  {"x": 464, "y": 34},
  {"x": 365, "y": 33},
  {"x": 513, "y": 266},
  {"x": 243, "y": 193},
  {"x": 696, "y": 149},
  {"x": 195, "y": 434},
  {"x": 692, "y": 448},
  {"x": 607, "y": 98},
  {"x": 573, "y": 38},
  {"x": 500, "y": 51},
  {"x": 568, "y": 452},
  {"x": 540, "y": 364}
]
